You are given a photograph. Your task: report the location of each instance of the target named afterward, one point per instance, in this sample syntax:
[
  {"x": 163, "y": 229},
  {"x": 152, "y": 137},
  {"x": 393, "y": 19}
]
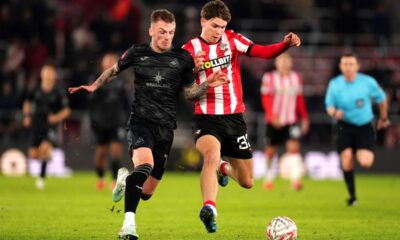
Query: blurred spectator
[{"x": 8, "y": 105}]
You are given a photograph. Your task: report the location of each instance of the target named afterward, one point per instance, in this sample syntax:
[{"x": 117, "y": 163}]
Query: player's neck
[
  {"x": 350, "y": 78},
  {"x": 158, "y": 50},
  {"x": 208, "y": 41}
]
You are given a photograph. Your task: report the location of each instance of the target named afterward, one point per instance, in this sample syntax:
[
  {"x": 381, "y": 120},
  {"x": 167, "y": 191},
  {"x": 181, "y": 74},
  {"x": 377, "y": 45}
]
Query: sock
[
  {"x": 145, "y": 197},
  {"x": 100, "y": 172},
  {"x": 43, "y": 168},
  {"x": 212, "y": 205},
  {"x": 134, "y": 186},
  {"x": 349, "y": 179},
  {"x": 222, "y": 168},
  {"x": 269, "y": 172},
  {"x": 129, "y": 219},
  {"x": 115, "y": 165}
]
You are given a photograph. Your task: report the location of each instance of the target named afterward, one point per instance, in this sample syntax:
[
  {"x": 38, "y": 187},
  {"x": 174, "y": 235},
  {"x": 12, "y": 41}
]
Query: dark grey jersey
[{"x": 159, "y": 78}]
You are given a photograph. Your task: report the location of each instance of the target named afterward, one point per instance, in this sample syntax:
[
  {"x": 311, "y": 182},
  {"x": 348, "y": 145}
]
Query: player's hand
[
  {"x": 26, "y": 121},
  {"x": 52, "y": 119},
  {"x": 383, "y": 123},
  {"x": 339, "y": 115},
  {"x": 199, "y": 60},
  {"x": 86, "y": 88},
  {"x": 217, "y": 79},
  {"x": 276, "y": 123},
  {"x": 292, "y": 40},
  {"x": 305, "y": 126}
]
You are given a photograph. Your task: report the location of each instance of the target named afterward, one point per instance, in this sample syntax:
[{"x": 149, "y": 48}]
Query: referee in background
[{"x": 349, "y": 100}]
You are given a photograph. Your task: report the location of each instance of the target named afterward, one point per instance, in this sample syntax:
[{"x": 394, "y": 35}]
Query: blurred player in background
[
  {"x": 283, "y": 103},
  {"x": 161, "y": 71},
  {"x": 108, "y": 107},
  {"x": 43, "y": 109},
  {"x": 349, "y": 100},
  {"x": 219, "y": 127}
]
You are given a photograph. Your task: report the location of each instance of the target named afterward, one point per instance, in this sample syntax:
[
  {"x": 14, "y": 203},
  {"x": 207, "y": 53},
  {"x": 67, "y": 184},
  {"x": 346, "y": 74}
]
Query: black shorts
[
  {"x": 355, "y": 137},
  {"x": 159, "y": 139},
  {"x": 38, "y": 135},
  {"x": 108, "y": 135},
  {"x": 230, "y": 130},
  {"x": 276, "y": 136}
]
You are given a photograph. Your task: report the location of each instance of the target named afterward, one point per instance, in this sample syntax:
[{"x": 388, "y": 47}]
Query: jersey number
[{"x": 244, "y": 142}]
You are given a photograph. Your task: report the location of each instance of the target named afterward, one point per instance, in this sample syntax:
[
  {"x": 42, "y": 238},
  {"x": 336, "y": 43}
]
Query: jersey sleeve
[
  {"x": 126, "y": 59},
  {"x": 187, "y": 75},
  {"x": 242, "y": 43},
  {"x": 376, "y": 92},
  {"x": 63, "y": 101}
]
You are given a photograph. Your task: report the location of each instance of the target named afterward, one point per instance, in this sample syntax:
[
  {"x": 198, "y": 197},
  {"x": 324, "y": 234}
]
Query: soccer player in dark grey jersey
[
  {"x": 43, "y": 109},
  {"x": 161, "y": 72}
]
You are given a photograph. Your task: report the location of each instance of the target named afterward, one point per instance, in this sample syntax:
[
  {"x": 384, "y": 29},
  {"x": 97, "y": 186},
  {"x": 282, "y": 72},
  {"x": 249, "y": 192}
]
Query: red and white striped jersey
[
  {"x": 282, "y": 97},
  {"x": 224, "y": 56}
]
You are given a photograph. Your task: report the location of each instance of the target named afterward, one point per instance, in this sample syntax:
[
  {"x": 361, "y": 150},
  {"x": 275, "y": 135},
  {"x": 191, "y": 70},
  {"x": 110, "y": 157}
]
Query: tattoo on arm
[
  {"x": 106, "y": 76},
  {"x": 195, "y": 91}
]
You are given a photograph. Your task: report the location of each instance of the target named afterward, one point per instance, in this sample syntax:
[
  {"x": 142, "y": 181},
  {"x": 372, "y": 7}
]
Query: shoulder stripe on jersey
[
  {"x": 202, "y": 75},
  {"x": 233, "y": 99}
]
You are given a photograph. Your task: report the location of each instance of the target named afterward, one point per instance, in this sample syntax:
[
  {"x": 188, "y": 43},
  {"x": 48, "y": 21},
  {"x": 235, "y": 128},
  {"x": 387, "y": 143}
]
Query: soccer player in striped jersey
[
  {"x": 283, "y": 103},
  {"x": 219, "y": 128}
]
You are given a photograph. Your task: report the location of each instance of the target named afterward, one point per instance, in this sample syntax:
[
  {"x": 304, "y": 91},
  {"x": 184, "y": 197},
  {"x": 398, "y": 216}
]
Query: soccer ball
[{"x": 281, "y": 228}]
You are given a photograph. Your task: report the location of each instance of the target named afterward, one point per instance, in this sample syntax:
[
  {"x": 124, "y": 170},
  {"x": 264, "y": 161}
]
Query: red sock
[
  {"x": 209, "y": 202},
  {"x": 222, "y": 168}
]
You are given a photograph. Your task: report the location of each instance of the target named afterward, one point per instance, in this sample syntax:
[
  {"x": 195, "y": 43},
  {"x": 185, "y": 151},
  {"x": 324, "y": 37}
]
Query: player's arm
[
  {"x": 59, "y": 116},
  {"x": 330, "y": 104},
  {"x": 26, "y": 112},
  {"x": 273, "y": 50},
  {"x": 194, "y": 91},
  {"x": 105, "y": 77}
]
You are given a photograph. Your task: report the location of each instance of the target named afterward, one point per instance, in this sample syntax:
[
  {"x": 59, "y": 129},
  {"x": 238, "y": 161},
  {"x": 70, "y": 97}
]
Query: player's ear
[
  {"x": 151, "y": 30},
  {"x": 203, "y": 22}
]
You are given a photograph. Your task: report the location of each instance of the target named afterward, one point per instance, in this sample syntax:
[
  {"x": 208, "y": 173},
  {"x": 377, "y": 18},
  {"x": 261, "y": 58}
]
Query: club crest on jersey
[
  {"x": 223, "y": 47},
  {"x": 174, "y": 63},
  {"x": 360, "y": 103},
  {"x": 222, "y": 62}
]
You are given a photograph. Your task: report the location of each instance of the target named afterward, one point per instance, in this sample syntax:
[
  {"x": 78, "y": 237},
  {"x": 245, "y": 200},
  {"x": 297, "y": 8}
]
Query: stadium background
[{"x": 76, "y": 33}]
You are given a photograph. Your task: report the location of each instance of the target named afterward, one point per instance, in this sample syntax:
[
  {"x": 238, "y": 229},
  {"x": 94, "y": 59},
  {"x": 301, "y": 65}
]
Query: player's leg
[
  {"x": 365, "y": 158},
  {"x": 346, "y": 158},
  {"x": 345, "y": 143},
  {"x": 143, "y": 161},
  {"x": 269, "y": 153},
  {"x": 240, "y": 170},
  {"x": 273, "y": 137},
  {"x": 149, "y": 188},
  {"x": 100, "y": 164},
  {"x": 296, "y": 167},
  {"x": 365, "y": 145},
  {"x": 100, "y": 155},
  {"x": 115, "y": 159},
  {"x": 140, "y": 143},
  {"x": 209, "y": 147},
  {"x": 160, "y": 154},
  {"x": 44, "y": 154}
]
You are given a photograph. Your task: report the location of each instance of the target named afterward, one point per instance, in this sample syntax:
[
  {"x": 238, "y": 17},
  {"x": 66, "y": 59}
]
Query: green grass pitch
[{"x": 71, "y": 208}]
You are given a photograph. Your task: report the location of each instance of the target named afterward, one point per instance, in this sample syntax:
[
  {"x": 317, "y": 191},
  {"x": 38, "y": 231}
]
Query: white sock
[
  {"x": 213, "y": 209},
  {"x": 129, "y": 218},
  {"x": 269, "y": 171}
]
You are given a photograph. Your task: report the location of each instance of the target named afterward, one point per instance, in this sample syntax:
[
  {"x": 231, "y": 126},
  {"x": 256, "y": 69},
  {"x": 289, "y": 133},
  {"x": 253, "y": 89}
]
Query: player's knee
[
  {"x": 211, "y": 158},
  {"x": 145, "y": 197},
  {"x": 247, "y": 183},
  {"x": 367, "y": 164}
]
